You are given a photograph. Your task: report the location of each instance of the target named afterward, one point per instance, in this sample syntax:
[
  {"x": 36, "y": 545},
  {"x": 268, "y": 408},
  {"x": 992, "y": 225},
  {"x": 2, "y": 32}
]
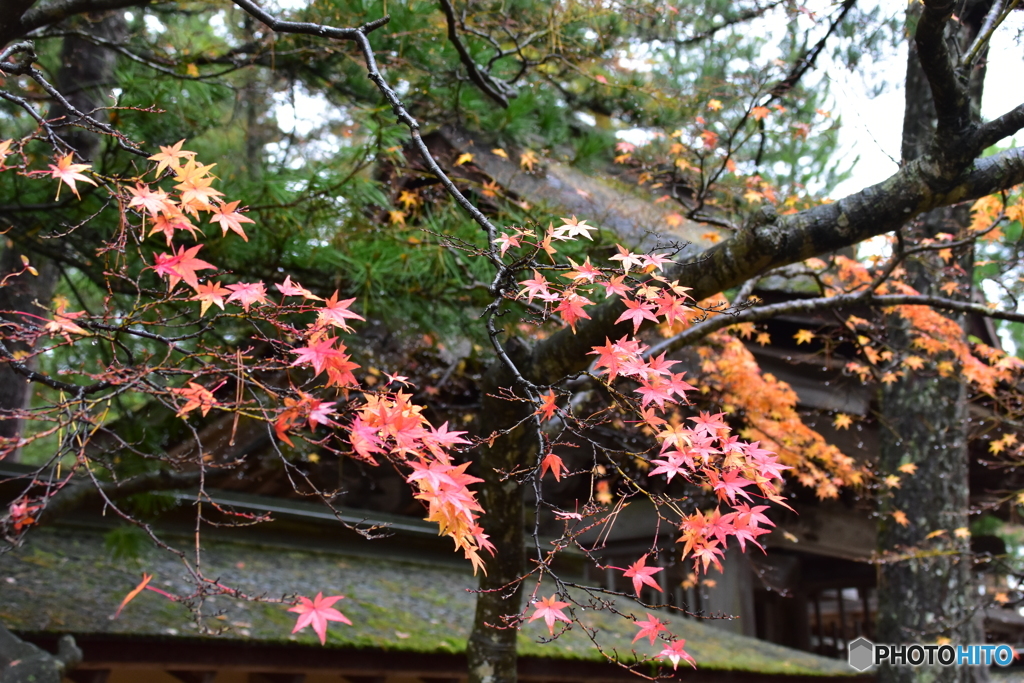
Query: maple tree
[{"x": 289, "y": 364}]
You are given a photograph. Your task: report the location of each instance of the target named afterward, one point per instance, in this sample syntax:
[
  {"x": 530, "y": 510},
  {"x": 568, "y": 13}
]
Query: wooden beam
[
  {"x": 194, "y": 676},
  {"x": 277, "y": 678},
  {"x": 88, "y": 675}
]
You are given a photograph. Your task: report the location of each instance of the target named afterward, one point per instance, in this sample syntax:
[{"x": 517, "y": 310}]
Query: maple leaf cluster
[
  {"x": 395, "y": 427},
  {"x": 378, "y": 425},
  {"x": 699, "y": 449}
]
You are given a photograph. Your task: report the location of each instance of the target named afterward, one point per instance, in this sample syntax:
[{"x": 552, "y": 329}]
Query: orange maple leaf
[
  {"x": 230, "y": 219},
  {"x": 67, "y": 173}
]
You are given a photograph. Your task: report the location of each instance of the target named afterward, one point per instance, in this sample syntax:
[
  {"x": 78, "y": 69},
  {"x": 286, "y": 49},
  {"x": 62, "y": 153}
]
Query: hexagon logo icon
[{"x": 861, "y": 653}]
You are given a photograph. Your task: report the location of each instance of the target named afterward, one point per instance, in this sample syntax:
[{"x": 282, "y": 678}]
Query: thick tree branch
[
  {"x": 997, "y": 129},
  {"x": 17, "y": 24},
  {"x": 862, "y": 298},
  {"x": 952, "y": 103},
  {"x": 875, "y": 210}
]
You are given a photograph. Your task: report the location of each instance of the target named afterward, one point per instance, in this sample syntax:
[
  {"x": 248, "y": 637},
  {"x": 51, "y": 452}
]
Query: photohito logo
[{"x": 863, "y": 654}]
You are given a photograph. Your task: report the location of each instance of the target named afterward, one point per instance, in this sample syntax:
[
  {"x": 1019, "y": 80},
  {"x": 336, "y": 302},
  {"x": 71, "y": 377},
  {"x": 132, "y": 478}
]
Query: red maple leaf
[
  {"x": 289, "y": 288},
  {"x": 550, "y": 609},
  {"x": 67, "y": 173},
  {"x": 571, "y": 308},
  {"x": 316, "y": 613},
  {"x": 641, "y": 575},
  {"x": 197, "y": 396},
  {"x": 548, "y": 407},
  {"x": 152, "y": 201},
  {"x": 554, "y": 463},
  {"x": 182, "y": 266}
]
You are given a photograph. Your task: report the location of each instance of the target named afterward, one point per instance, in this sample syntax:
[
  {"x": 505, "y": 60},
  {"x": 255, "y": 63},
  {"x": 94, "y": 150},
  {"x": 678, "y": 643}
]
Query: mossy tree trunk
[
  {"x": 926, "y": 588},
  {"x": 491, "y": 651}
]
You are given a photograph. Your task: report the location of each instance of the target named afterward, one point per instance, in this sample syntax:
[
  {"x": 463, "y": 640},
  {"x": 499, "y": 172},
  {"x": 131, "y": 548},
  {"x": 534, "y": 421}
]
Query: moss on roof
[{"x": 63, "y": 580}]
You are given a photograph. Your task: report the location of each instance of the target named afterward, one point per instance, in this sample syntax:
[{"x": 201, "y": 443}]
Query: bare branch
[
  {"x": 359, "y": 35},
  {"x": 496, "y": 90}
]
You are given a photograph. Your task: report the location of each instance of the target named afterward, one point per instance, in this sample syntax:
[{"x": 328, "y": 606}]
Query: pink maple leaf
[
  {"x": 550, "y": 610},
  {"x": 641, "y": 575},
  {"x": 316, "y": 613},
  {"x": 637, "y": 312},
  {"x": 650, "y": 628},
  {"x": 289, "y": 288},
  {"x": 336, "y": 312},
  {"x": 317, "y": 354},
  {"x": 675, "y": 652},
  {"x": 248, "y": 293}
]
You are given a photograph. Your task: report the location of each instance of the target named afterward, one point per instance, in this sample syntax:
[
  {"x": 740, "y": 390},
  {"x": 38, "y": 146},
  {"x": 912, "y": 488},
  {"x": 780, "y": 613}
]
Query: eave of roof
[{"x": 64, "y": 581}]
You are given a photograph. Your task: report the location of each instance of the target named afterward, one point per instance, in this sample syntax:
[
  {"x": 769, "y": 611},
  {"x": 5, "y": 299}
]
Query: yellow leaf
[
  {"x": 763, "y": 338},
  {"x": 1001, "y": 598},
  {"x": 192, "y": 71},
  {"x": 1016, "y": 212},
  {"x": 900, "y": 517},
  {"x": 908, "y": 468},
  {"x": 714, "y": 105},
  {"x": 464, "y": 158},
  {"x": 408, "y": 199},
  {"x": 842, "y": 421},
  {"x": 962, "y": 532},
  {"x": 528, "y": 159},
  {"x": 934, "y": 534},
  {"x": 913, "y": 362},
  {"x": 499, "y": 152},
  {"x": 803, "y": 337}
]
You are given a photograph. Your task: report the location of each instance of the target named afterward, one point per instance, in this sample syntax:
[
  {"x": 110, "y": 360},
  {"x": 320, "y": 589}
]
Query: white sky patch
[
  {"x": 636, "y": 136},
  {"x": 154, "y": 25},
  {"x": 586, "y": 117},
  {"x": 640, "y": 58},
  {"x": 218, "y": 23},
  {"x": 299, "y": 112},
  {"x": 286, "y": 5}
]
